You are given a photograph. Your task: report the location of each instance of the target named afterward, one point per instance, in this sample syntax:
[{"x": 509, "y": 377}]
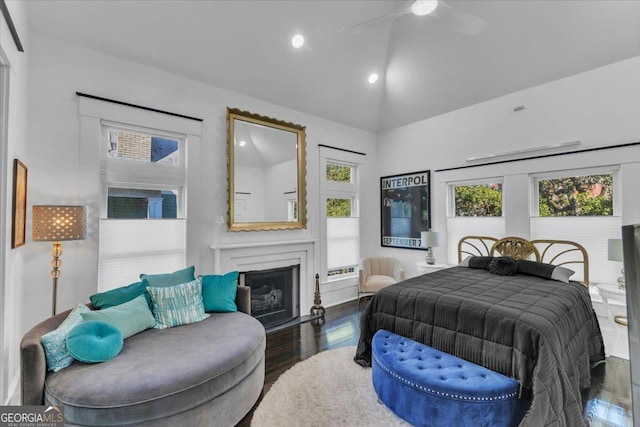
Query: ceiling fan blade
[
  {"x": 460, "y": 21},
  {"x": 378, "y": 21}
]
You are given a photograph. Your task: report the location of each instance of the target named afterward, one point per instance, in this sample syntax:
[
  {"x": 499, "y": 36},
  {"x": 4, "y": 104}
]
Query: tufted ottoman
[{"x": 428, "y": 387}]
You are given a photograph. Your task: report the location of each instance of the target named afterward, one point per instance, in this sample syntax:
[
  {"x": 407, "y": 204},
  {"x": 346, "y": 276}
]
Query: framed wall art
[
  {"x": 19, "y": 207},
  {"x": 405, "y": 209}
]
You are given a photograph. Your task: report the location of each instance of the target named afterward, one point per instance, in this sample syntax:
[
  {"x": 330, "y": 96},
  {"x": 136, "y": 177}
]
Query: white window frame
[
  {"x": 93, "y": 114},
  {"x": 143, "y": 175},
  {"x": 566, "y": 173},
  {"x": 451, "y": 192},
  {"x": 341, "y": 190},
  {"x": 292, "y": 207},
  {"x": 132, "y": 174}
]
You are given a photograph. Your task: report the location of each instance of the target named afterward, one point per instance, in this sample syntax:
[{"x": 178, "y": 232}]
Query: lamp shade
[
  {"x": 57, "y": 223},
  {"x": 614, "y": 249},
  {"x": 429, "y": 239}
]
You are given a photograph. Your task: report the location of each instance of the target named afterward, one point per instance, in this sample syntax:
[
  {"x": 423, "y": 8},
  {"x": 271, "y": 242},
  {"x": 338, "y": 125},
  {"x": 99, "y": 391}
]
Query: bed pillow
[
  {"x": 130, "y": 318},
  {"x": 119, "y": 296},
  {"x": 55, "y": 342},
  {"x": 169, "y": 279},
  {"x": 219, "y": 292},
  {"x": 503, "y": 266},
  {"x": 177, "y": 305},
  {"x": 547, "y": 271},
  {"x": 94, "y": 342},
  {"x": 481, "y": 262}
]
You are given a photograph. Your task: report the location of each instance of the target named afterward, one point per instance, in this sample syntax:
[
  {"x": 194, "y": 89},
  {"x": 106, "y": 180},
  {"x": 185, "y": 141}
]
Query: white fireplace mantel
[
  {"x": 271, "y": 254},
  {"x": 225, "y": 246}
]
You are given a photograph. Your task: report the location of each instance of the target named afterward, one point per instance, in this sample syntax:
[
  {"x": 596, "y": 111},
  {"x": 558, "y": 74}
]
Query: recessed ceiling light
[
  {"x": 297, "y": 41},
  {"x": 424, "y": 7},
  {"x": 242, "y": 143},
  {"x": 373, "y": 78}
]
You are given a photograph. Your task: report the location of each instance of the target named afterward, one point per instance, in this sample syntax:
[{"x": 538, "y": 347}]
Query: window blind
[
  {"x": 458, "y": 227},
  {"x": 592, "y": 232},
  {"x": 130, "y": 247},
  {"x": 343, "y": 242}
]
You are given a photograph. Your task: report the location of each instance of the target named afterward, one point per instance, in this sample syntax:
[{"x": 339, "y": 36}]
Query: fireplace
[{"x": 274, "y": 294}]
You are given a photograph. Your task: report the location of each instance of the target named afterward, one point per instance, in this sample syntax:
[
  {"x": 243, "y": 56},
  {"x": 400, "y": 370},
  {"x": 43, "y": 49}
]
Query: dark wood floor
[{"x": 607, "y": 403}]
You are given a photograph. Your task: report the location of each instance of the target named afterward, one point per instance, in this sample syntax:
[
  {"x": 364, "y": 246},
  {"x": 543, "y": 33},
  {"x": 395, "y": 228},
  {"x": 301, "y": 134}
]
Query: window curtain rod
[
  {"x": 342, "y": 149},
  {"x": 541, "y": 156},
  {"x": 12, "y": 28},
  {"x": 99, "y": 98}
]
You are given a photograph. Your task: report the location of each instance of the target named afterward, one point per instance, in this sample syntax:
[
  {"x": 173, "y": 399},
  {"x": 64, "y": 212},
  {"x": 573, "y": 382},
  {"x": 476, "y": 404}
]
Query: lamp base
[
  {"x": 430, "y": 259},
  {"x": 621, "y": 282},
  {"x": 56, "y": 263}
]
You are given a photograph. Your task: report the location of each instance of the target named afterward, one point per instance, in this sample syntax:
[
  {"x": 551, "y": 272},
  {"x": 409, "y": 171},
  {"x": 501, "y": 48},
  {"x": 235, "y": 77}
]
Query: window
[
  {"x": 292, "y": 210},
  {"x": 583, "y": 195},
  {"x": 339, "y": 173},
  {"x": 343, "y": 237},
  {"x": 339, "y": 191},
  {"x": 141, "y": 204},
  {"x": 478, "y": 199},
  {"x": 474, "y": 206},
  {"x": 339, "y": 208},
  {"x": 142, "y": 214},
  {"x": 578, "y": 205},
  {"x": 131, "y": 145}
]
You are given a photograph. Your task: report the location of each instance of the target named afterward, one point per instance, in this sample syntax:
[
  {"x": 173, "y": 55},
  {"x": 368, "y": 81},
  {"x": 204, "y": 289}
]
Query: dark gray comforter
[{"x": 543, "y": 333}]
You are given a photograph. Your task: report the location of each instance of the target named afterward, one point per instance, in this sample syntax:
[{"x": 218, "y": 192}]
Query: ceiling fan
[{"x": 460, "y": 21}]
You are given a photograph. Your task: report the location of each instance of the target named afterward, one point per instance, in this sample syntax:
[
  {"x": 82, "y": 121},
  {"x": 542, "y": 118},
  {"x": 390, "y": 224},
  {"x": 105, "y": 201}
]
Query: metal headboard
[{"x": 556, "y": 252}]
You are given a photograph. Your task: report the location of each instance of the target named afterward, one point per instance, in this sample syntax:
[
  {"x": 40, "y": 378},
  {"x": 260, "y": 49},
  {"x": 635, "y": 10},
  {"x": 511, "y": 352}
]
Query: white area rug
[{"x": 328, "y": 389}]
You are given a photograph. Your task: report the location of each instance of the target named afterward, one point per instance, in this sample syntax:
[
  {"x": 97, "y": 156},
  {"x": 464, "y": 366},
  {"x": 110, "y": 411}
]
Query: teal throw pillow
[
  {"x": 219, "y": 292},
  {"x": 94, "y": 342},
  {"x": 119, "y": 296},
  {"x": 177, "y": 305},
  {"x": 170, "y": 279},
  {"x": 54, "y": 342},
  {"x": 130, "y": 318}
]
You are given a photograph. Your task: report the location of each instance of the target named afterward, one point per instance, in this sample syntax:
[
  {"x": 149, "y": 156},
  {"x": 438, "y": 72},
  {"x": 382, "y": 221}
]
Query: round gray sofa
[{"x": 202, "y": 374}]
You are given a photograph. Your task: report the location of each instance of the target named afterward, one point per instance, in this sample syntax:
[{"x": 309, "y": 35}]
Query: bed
[{"x": 540, "y": 331}]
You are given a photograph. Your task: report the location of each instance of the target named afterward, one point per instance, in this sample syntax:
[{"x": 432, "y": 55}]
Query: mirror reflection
[{"x": 266, "y": 173}]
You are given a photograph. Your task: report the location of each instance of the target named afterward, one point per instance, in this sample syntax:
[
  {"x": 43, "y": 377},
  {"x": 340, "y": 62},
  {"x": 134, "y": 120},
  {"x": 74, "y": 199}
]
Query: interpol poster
[{"x": 406, "y": 209}]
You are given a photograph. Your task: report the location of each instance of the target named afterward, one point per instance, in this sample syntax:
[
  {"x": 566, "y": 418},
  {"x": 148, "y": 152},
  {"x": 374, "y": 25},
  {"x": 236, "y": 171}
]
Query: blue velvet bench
[{"x": 428, "y": 387}]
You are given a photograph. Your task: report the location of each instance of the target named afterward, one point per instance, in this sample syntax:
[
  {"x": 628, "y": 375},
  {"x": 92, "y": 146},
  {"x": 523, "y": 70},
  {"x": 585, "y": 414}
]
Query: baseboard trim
[{"x": 343, "y": 301}]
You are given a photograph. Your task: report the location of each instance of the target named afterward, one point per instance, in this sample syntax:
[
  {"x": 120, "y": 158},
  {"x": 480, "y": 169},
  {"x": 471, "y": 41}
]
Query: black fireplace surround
[{"x": 274, "y": 294}]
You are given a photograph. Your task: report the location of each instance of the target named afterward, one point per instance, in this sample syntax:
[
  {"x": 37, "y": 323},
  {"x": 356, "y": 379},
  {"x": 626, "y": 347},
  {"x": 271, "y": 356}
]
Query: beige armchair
[{"x": 377, "y": 273}]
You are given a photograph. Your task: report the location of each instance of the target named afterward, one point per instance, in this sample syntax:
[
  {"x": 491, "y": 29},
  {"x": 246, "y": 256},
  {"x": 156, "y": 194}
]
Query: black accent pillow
[
  {"x": 546, "y": 271},
  {"x": 481, "y": 262},
  {"x": 503, "y": 266}
]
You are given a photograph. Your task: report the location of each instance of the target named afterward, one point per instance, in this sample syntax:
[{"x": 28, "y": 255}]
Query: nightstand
[
  {"x": 425, "y": 268},
  {"x": 613, "y": 301}
]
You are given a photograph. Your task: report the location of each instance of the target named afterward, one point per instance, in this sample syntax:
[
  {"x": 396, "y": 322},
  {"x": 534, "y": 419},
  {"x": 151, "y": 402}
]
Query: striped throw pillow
[
  {"x": 55, "y": 342},
  {"x": 177, "y": 305}
]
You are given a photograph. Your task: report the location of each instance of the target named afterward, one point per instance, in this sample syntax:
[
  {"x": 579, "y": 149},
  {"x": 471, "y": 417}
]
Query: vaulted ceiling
[{"x": 426, "y": 67}]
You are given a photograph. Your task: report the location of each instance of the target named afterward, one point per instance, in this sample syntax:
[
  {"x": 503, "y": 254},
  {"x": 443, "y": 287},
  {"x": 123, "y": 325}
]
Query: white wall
[
  {"x": 14, "y": 145},
  {"x": 58, "y": 70},
  {"x": 280, "y": 179},
  {"x": 600, "y": 107},
  {"x": 250, "y": 180}
]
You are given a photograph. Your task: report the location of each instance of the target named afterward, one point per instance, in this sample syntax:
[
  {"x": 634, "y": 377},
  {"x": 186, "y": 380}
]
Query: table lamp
[
  {"x": 429, "y": 240},
  {"x": 55, "y": 224},
  {"x": 614, "y": 249}
]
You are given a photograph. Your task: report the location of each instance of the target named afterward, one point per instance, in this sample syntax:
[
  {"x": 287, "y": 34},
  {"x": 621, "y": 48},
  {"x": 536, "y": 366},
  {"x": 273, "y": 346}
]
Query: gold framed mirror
[{"x": 266, "y": 173}]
